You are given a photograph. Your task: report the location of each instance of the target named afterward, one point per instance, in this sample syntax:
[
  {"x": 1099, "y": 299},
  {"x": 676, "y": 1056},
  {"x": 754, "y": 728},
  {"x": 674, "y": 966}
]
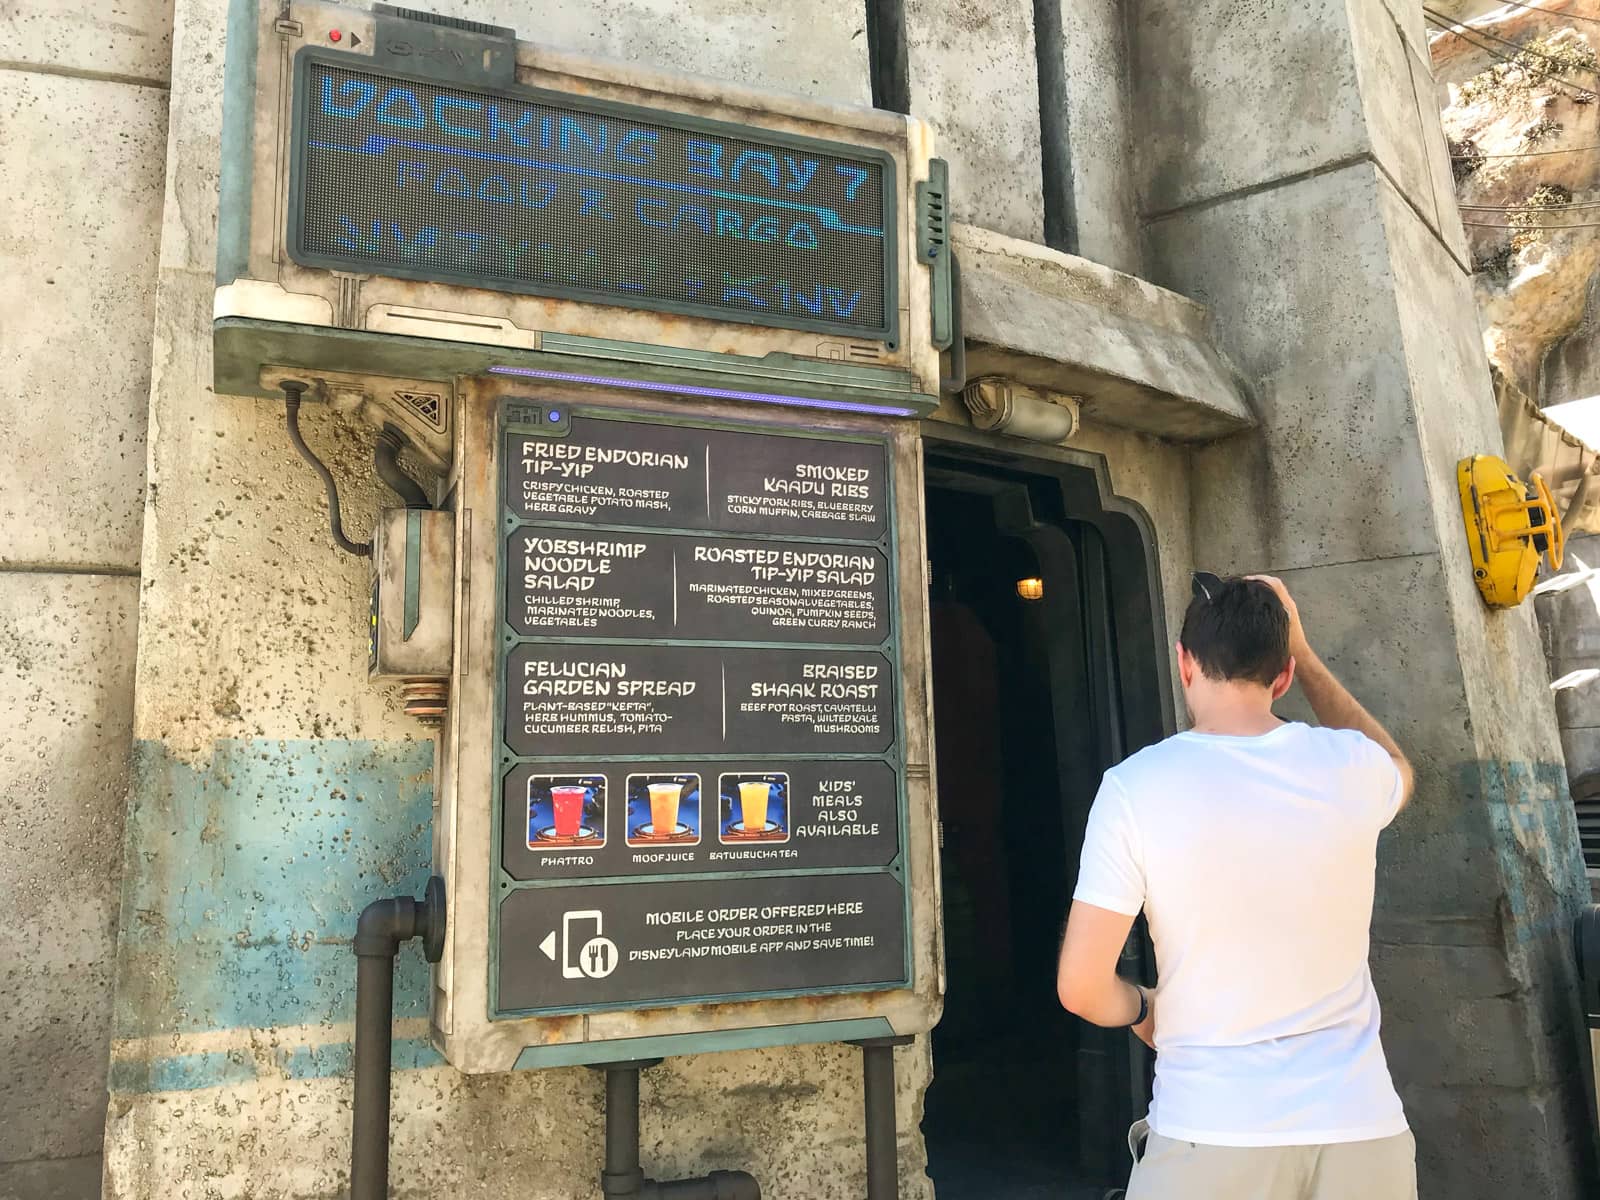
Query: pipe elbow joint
[{"x": 383, "y": 925}]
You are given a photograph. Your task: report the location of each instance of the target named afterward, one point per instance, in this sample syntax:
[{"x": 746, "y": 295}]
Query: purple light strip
[{"x": 684, "y": 389}]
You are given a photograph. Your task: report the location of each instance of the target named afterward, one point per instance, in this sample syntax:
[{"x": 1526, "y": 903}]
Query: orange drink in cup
[
  {"x": 664, "y": 799},
  {"x": 754, "y": 796}
]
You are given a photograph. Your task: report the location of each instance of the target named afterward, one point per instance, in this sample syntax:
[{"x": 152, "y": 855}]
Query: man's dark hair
[{"x": 1239, "y": 631}]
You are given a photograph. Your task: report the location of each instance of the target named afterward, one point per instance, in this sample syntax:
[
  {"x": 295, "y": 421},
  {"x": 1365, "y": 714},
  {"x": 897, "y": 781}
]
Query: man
[{"x": 1250, "y": 844}]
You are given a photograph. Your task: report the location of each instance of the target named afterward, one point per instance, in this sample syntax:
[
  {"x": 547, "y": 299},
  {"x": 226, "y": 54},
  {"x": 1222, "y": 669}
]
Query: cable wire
[
  {"x": 1461, "y": 31},
  {"x": 1571, "y": 16},
  {"x": 1533, "y": 228},
  {"x": 1456, "y": 27},
  {"x": 293, "y": 389},
  {"x": 1524, "y": 154},
  {"x": 1549, "y": 208}
]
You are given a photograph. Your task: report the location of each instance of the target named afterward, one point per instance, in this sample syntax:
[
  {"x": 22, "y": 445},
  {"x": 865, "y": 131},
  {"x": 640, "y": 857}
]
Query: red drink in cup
[{"x": 568, "y": 802}]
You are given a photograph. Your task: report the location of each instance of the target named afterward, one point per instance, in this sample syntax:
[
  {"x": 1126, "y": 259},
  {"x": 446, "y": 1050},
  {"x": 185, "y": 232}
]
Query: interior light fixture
[
  {"x": 1030, "y": 589},
  {"x": 686, "y": 389}
]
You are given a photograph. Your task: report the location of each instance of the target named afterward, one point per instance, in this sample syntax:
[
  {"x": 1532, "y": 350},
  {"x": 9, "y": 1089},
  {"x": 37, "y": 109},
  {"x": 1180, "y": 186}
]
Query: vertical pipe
[
  {"x": 883, "y": 1155},
  {"x": 1055, "y": 128},
  {"x": 623, "y": 1176},
  {"x": 887, "y": 55},
  {"x": 369, "y": 1150}
]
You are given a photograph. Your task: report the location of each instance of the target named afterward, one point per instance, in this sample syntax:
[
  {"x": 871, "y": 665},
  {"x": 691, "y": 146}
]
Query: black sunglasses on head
[{"x": 1205, "y": 585}]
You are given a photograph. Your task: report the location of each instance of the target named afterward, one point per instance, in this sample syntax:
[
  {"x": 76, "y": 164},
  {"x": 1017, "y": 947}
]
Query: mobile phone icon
[{"x": 577, "y": 929}]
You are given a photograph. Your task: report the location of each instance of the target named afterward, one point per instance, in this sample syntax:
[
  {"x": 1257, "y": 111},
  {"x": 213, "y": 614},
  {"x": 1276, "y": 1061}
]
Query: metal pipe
[
  {"x": 877, "y": 1087},
  {"x": 622, "y": 1176},
  {"x": 386, "y": 461},
  {"x": 382, "y": 927},
  {"x": 293, "y": 389},
  {"x": 888, "y": 55},
  {"x": 623, "y": 1179}
]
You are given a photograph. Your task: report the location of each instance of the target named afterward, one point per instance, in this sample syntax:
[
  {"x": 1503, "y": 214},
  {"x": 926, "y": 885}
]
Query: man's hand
[
  {"x": 1335, "y": 707},
  {"x": 1299, "y": 648}
]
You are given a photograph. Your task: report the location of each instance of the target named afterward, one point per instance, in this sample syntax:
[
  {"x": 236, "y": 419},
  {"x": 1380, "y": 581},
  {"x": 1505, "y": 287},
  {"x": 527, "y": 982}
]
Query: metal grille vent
[
  {"x": 427, "y": 405},
  {"x": 427, "y": 18}
]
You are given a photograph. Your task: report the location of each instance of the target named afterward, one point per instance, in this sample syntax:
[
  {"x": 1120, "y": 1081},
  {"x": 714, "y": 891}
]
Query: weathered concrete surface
[
  {"x": 1139, "y": 356},
  {"x": 1308, "y": 291},
  {"x": 1350, "y": 318},
  {"x": 1570, "y": 621},
  {"x": 818, "y": 49},
  {"x": 52, "y": 1179},
  {"x": 81, "y": 164},
  {"x": 974, "y": 77},
  {"x": 66, "y": 676},
  {"x": 1204, "y": 103},
  {"x": 126, "y": 38},
  {"x": 1325, "y": 83},
  {"x": 1099, "y": 131}
]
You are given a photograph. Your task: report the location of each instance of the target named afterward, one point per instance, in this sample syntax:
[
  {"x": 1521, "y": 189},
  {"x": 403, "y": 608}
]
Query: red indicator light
[{"x": 334, "y": 35}]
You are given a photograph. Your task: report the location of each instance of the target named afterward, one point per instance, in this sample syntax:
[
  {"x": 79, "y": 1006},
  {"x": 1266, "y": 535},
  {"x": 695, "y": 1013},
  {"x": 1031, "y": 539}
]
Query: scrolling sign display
[{"x": 521, "y": 190}]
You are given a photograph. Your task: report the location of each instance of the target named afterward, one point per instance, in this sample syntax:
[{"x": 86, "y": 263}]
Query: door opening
[{"x": 1033, "y": 699}]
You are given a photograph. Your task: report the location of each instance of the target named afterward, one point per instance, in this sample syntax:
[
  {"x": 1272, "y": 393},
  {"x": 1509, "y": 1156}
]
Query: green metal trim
[
  {"x": 578, "y": 1054},
  {"x": 243, "y": 345},
  {"x": 933, "y": 248},
  {"x": 413, "y": 610},
  {"x": 237, "y": 180},
  {"x": 887, "y": 332},
  {"x": 890, "y": 647}
]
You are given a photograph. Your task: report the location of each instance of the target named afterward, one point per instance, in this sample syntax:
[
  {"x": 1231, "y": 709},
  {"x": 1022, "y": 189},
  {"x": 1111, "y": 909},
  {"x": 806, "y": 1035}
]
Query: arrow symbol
[
  {"x": 549, "y": 945},
  {"x": 354, "y": 40}
]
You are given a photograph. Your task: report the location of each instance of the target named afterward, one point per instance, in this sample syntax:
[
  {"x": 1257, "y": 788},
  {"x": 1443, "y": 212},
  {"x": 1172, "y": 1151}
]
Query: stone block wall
[{"x": 83, "y": 104}]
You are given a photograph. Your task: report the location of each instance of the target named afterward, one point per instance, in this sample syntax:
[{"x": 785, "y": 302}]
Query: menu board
[{"x": 701, "y": 784}]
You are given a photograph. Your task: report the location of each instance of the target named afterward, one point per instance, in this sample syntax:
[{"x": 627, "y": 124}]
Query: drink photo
[
  {"x": 755, "y": 807},
  {"x": 663, "y": 810},
  {"x": 566, "y": 810}
]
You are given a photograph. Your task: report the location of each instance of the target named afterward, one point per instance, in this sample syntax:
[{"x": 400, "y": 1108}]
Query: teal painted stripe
[
  {"x": 627, "y": 1049},
  {"x": 322, "y": 1062},
  {"x": 182, "y": 1072},
  {"x": 244, "y": 876}
]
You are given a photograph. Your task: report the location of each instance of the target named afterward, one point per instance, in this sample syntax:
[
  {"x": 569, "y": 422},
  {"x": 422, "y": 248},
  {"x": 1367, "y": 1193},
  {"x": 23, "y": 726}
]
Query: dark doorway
[{"x": 1033, "y": 699}]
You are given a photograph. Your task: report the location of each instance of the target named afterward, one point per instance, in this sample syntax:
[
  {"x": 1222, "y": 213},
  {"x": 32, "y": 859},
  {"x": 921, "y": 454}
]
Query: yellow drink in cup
[
  {"x": 753, "y": 800},
  {"x": 664, "y": 799}
]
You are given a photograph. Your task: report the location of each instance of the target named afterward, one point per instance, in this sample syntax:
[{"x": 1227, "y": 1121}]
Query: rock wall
[{"x": 83, "y": 109}]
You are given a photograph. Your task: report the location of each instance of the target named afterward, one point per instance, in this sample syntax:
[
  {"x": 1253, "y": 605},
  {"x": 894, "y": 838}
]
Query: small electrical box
[{"x": 412, "y": 619}]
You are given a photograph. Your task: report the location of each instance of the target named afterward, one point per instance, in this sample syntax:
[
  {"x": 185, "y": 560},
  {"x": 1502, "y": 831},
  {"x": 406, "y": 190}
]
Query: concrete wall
[
  {"x": 83, "y": 105},
  {"x": 1570, "y": 621},
  {"x": 1298, "y": 194}
]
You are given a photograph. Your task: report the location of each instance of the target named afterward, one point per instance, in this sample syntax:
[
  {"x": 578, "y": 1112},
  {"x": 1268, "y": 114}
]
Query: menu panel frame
[{"x": 525, "y": 417}]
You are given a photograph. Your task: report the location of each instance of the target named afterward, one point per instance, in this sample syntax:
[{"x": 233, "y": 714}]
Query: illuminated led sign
[{"x": 527, "y": 191}]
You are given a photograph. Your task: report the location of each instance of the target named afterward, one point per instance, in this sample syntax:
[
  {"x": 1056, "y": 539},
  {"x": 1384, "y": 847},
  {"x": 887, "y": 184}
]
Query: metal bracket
[{"x": 933, "y": 248}]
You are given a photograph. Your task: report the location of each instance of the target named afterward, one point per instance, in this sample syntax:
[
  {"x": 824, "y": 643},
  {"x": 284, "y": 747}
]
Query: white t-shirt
[{"x": 1253, "y": 859}]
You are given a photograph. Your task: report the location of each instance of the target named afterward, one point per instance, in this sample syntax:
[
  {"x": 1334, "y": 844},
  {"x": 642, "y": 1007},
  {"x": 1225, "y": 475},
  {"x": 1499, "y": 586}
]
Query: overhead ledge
[{"x": 1137, "y": 354}]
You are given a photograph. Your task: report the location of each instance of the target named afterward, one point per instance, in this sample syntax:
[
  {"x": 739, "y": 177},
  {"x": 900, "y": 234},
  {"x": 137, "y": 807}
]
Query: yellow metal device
[{"x": 1511, "y": 525}]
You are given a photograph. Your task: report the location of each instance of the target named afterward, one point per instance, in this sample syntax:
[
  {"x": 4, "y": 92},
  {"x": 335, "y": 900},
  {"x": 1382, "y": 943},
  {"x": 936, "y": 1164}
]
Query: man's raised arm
[{"x": 1335, "y": 707}]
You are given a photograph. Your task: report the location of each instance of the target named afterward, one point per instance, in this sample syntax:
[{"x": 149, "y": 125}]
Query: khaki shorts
[{"x": 1384, "y": 1169}]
